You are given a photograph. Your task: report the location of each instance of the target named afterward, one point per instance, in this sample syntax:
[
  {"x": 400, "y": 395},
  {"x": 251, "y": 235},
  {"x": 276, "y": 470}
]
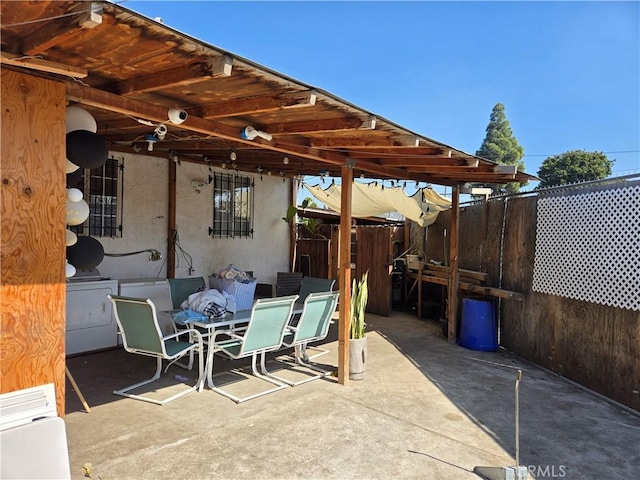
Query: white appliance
[
  {"x": 155, "y": 289},
  {"x": 90, "y": 322}
]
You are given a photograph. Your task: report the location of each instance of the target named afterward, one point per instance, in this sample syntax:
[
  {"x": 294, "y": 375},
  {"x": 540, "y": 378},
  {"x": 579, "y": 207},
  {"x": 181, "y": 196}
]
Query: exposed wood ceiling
[{"x": 124, "y": 67}]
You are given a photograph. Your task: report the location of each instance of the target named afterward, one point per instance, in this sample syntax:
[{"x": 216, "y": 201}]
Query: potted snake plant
[{"x": 357, "y": 337}]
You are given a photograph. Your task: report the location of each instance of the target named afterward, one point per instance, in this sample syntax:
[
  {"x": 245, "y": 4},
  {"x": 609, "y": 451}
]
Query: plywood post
[
  {"x": 32, "y": 207},
  {"x": 344, "y": 275},
  {"x": 452, "y": 294}
]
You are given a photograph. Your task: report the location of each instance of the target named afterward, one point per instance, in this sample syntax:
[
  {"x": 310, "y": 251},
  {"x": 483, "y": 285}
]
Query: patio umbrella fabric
[{"x": 372, "y": 199}]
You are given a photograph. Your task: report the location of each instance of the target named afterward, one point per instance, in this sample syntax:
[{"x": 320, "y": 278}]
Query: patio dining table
[{"x": 228, "y": 322}]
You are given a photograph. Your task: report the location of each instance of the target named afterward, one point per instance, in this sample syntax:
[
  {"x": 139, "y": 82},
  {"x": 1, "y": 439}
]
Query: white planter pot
[{"x": 357, "y": 358}]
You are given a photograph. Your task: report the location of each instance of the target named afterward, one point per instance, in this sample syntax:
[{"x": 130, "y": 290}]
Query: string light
[{"x": 285, "y": 160}]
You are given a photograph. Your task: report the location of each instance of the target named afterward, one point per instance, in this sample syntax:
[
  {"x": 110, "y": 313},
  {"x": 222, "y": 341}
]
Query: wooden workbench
[{"x": 470, "y": 281}]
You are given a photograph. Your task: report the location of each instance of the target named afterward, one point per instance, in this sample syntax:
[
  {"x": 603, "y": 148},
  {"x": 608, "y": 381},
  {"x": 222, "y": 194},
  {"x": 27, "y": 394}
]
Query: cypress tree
[{"x": 499, "y": 145}]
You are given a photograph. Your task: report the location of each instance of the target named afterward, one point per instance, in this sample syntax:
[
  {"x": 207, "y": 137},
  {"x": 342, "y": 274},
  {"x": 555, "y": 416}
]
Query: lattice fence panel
[{"x": 588, "y": 247}]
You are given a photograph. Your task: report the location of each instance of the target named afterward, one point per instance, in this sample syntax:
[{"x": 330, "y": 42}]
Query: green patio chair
[
  {"x": 314, "y": 285},
  {"x": 288, "y": 283},
  {"x": 181, "y": 288},
  {"x": 312, "y": 326},
  {"x": 138, "y": 322},
  {"x": 263, "y": 333}
]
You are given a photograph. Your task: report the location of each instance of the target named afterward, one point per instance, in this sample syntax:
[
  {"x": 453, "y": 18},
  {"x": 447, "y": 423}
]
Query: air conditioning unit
[{"x": 33, "y": 439}]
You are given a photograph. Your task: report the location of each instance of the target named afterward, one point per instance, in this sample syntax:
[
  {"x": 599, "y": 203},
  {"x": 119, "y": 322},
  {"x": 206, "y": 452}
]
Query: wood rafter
[
  {"x": 479, "y": 177},
  {"x": 262, "y": 104},
  {"x": 175, "y": 77},
  {"x": 56, "y": 32},
  {"x": 408, "y": 155},
  {"x": 315, "y": 126},
  {"x": 31, "y": 63},
  {"x": 114, "y": 103},
  {"x": 372, "y": 143}
]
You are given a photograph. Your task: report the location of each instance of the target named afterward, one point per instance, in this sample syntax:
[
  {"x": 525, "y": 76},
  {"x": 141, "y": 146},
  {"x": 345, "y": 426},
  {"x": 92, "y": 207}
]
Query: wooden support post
[
  {"x": 344, "y": 275},
  {"x": 452, "y": 294},
  {"x": 171, "y": 223},
  {"x": 293, "y": 227},
  {"x": 420, "y": 267}
]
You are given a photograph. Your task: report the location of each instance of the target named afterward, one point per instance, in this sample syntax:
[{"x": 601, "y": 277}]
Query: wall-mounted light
[{"x": 198, "y": 186}]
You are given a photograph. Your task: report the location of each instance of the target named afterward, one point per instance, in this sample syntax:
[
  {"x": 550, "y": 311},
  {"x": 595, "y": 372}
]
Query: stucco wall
[{"x": 145, "y": 225}]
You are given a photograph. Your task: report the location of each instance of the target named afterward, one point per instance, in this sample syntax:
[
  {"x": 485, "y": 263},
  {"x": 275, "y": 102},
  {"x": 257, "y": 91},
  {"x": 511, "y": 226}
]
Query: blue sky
[{"x": 568, "y": 73}]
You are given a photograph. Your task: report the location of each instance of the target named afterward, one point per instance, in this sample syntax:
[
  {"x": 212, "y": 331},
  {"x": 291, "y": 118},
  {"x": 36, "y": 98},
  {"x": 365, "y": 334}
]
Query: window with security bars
[
  {"x": 232, "y": 206},
  {"x": 102, "y": 190}
]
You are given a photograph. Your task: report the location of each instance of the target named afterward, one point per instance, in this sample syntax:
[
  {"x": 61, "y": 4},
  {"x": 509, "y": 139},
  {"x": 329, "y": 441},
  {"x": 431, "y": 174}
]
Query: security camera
[
  {"x": 177, "y": 116},
  {"x": 161, "y": 131},
  {"x": 250, "y": 133}
]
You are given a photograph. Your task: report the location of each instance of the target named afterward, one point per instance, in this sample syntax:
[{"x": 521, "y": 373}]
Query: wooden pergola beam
[
  {"x": 127, "y": 106},
  {"x": 56, "y": 32},
  {"x": 397, "y": 155},
  {"x": 369, "y": 143},
  {"x": 315, "y": 126},
  {"x": 7, "y": 58},
  {"x": 176, "y": 77},
  {"x": 262, "y": 104}
]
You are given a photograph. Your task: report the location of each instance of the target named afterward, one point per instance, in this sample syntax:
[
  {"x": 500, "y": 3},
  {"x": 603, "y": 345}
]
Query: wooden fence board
[{"x": 594, "y": 345}]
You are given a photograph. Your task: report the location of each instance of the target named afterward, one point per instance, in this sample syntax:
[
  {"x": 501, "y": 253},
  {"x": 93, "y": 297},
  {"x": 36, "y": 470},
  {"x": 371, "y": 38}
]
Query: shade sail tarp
[{"x": 372, "y": 199}]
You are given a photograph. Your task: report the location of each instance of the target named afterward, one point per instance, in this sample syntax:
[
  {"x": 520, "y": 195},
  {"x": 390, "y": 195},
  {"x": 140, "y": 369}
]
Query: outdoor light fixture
[
  {"x": 250, "y": 133},
  {"x": 285, "y": 160},
  {"x": 233, "y": 156}
]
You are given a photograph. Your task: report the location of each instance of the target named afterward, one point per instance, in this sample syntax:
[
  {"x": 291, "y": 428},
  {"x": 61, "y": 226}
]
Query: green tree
[
  {"x": 572, "y": 167},
  {"x": 499, "y": 145},
  {"x": 309, "y": 202}
]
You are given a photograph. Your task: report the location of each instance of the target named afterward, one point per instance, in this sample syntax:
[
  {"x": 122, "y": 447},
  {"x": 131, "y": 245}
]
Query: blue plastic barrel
[{"x": 478, "y": 326}]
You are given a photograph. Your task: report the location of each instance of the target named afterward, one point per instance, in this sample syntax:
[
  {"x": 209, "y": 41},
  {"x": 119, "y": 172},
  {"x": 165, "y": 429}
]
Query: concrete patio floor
[{"x": 426, "y": 410}]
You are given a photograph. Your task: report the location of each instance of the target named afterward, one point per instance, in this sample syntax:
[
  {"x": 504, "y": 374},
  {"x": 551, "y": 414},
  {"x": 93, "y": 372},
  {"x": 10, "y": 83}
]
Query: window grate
[
  {"x": 102, "y": 189},
  {"x": 232, "y": 206}
]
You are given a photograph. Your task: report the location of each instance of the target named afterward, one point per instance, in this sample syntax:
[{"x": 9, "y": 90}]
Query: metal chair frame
[
  {"x": 138, "y": 322},
  {"x": 264, "y": 333},
  {"x": 312, "y": 326}
]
